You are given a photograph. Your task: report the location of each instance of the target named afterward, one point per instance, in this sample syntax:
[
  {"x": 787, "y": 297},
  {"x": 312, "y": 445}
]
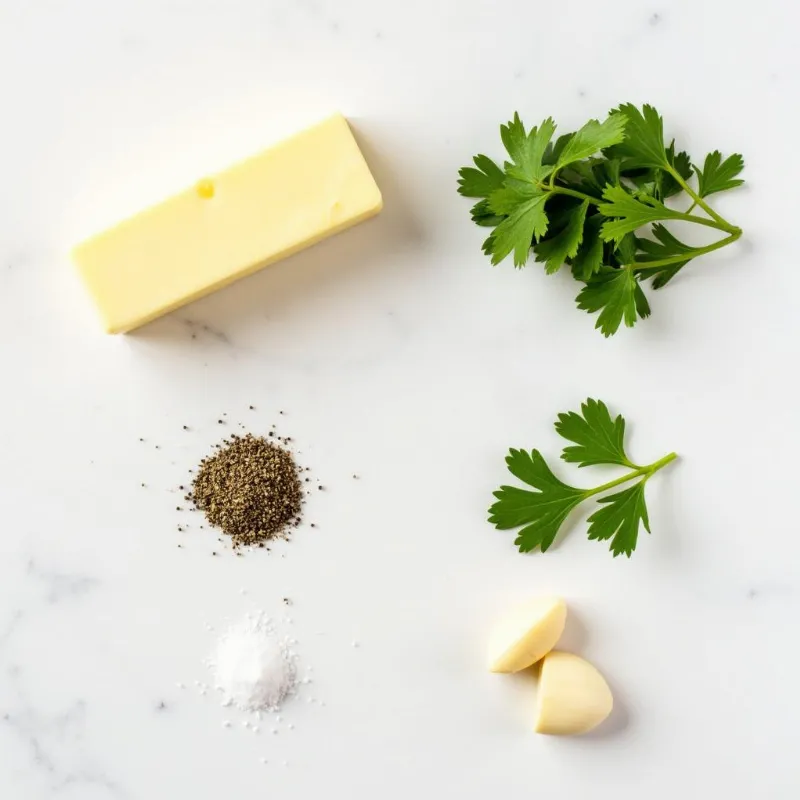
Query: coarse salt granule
[{"x": 255, "y": 669}]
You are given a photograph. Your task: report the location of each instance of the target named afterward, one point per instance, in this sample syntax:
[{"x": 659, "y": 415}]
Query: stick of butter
[{"x": 229, "y": 225}]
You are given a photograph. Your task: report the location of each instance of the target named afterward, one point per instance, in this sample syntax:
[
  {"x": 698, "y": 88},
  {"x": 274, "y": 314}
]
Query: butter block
[{"x": 229, "y": 225}]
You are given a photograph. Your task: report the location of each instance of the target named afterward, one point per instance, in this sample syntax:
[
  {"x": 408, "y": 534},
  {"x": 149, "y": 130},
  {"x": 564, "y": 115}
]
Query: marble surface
[{"x": 397, "y": 354}]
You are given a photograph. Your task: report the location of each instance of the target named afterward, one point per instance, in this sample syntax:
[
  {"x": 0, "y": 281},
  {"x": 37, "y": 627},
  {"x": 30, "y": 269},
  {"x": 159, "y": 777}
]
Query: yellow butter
[{"x": 229, "y": 225}]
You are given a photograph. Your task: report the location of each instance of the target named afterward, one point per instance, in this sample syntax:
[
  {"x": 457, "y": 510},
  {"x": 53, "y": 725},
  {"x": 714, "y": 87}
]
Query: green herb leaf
[
  {"x": 617, "y": 295},
  {"x": 644, "y": 137},
  {"x": 660, "y": 183},
  {"x": 483, "y": 215},
  {"x": 718, "y": 175},
  {"x": 630, "y": 213},
  {"x": 666, "y": 246},
  {"x": 527, "y": 149},
  {"x": 554, "y": 252},
  {"x": 619, "y": 519},
  {"x": 553, "y": 151},
  {"x": 480, "y": 182},
  {"x": 598, "y": 438},
  {"x": 589, "y": 258},
  {"x": 516, "y": 232},
  {"x": 541, "y": 512},
  {"x": 666, "y": 185},
  {"x": 592, "y": 138}
]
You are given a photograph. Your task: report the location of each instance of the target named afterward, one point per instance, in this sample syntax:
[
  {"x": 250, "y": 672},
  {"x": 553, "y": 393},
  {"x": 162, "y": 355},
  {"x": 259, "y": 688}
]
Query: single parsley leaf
[
  {"x": 593, "y": 137},
  {"x": 589, "y": 258},
  {"x": 553, "y": 151},
  {"x": 482, "y": 215},
  {"x": 542, "y": 512},
  {"x": 554, "y": 252},
  {"x": 718, "y": 175},
  {"x": 517, "y": 231},
  {"x": 630, "y": 213},
  {"x": 480, "y": 182},
  {"x": 666, "y": 245},
  {"x": 625, "y": 249},
  {"x": 507, "y": 199},
  {"x": 644, "y": 137},
  {"x": 619, "y": 519},
  {"x": 617, "y": 295},
  {"x": 598, "y": 438},
  {"x": 527, "y": 149},
  {"x": 660, "y": 183},
  {"x": 665, "y": 184}
]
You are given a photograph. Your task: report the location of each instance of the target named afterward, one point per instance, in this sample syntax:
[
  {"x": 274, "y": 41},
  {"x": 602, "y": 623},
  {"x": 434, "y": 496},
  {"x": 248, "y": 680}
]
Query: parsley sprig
[
  {"x": 584, "y": 199},
  {"x": 596, "y": 439}
]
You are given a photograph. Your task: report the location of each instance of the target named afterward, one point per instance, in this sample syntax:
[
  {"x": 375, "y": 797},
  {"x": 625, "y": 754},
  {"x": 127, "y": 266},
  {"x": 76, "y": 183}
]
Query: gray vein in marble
[
  {"x": 59, "y": 585},
  {"x": 8, "y": 630},
  {"x": 41, "y": 736},
  {"x": 198, "y": 327}
]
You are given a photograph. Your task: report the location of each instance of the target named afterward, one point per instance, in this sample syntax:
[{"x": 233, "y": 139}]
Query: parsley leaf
[
  {"x": 718, "y": 175},
  {"x": 554, "y": 252},
  {"x": 591, "y": 138},
  {"x": 517, "y": 231},
  {"x": 553, "y": 151},
  {"x": 480, "y": 182},
  {"x": 598, "y": 438},
  {"x": 483, "y": 215},
  {"x": 665, "y": 184},
  {"x": 658, "y": 182},
  {"x": 619, "y": 519},
  {"x": 666, "y": 245},
  {"x": 617, "y": 295},
  {"x": 630, "y": 213},
  {"x": 644, "y": 137},
  {"x": 527, "y": 149},
  {"x": 589, "y": 258},
  {"x": 539, "y": 514}
]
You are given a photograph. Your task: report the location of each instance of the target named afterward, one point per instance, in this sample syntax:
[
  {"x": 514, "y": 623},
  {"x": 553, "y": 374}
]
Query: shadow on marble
[{"x": 575, "y": 637}]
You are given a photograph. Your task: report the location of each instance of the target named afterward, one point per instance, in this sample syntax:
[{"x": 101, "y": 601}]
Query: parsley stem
[
  {"x": 643, "y": 266},
  {"x": 709, "y": 223},
  {"x": 572, "y": 193},
  {"x": 647, "y": 472},
  {"x": 718, "y": 218},
  {"x": 718, "y": 223}
]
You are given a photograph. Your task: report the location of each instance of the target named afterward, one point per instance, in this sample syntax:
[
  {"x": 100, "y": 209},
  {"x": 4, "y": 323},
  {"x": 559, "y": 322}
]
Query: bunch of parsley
[{"x": 583, "y": 198}]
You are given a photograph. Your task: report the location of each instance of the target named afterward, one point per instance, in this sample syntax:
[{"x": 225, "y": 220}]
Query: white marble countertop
[{"x": 398, "y": 354}]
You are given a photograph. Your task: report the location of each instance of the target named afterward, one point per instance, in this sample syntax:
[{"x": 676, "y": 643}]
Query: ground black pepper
[{"x": 250, "y": 489}]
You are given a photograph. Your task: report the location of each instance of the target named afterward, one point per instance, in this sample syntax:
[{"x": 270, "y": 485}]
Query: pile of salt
[{"x": 253, "y": 668}]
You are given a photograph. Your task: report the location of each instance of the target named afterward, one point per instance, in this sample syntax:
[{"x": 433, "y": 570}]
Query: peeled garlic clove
[
  {"x": 527, "y": 634},
  {"x": 573, "y": 696}
]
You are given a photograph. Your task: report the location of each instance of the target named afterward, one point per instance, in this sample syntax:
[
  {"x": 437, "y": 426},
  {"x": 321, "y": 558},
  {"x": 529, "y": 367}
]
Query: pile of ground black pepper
[{"x": 250, "y": 488}]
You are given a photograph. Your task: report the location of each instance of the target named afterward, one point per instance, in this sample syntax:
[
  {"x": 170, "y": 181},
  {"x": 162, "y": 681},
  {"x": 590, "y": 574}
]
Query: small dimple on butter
[
  {"x": 205, "y": 188},
  {"x": 275, "y": 204}
]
